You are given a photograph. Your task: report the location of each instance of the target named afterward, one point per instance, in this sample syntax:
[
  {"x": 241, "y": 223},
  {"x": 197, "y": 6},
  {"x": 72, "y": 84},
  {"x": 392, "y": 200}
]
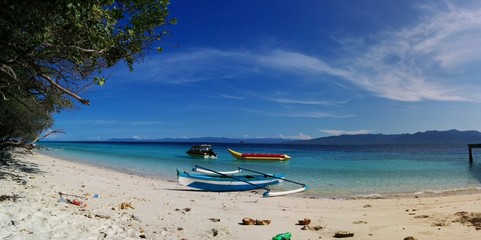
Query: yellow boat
[{"x": 259, "y": 156}]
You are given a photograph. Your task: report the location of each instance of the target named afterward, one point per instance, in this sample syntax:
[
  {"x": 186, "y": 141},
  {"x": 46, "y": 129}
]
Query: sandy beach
[{"x": 103, "y": 204}]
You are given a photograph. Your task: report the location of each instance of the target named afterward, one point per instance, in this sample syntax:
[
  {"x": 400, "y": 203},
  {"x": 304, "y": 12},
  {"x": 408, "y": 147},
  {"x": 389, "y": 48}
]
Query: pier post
[
  {"x": 470, "y": 154},
  {"x": 471, "y": 146}
]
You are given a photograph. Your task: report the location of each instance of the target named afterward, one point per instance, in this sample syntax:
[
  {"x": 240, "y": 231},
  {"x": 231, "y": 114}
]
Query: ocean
[{"x": 328, "y": 171}]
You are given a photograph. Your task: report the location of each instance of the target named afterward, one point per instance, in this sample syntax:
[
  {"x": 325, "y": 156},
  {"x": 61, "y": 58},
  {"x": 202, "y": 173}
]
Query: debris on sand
[
  {"x": 248, "y": 221},
  {"x": 305, "y": 221},
  {"x": 343, "y": 234},
  {"x": 469, "y": 219},
  {"x": 126, "y": 205},
  {"x": 4, "y": 197}
]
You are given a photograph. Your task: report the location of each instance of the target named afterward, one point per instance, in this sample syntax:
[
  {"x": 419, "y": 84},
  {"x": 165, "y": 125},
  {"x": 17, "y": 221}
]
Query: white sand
[{"x": 167, "y": 210}]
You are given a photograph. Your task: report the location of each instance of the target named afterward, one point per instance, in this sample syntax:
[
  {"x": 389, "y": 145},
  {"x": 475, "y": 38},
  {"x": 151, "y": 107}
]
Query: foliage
[
  {"x": 20, "y": 120},
  {"x": 53, "y": 50}
]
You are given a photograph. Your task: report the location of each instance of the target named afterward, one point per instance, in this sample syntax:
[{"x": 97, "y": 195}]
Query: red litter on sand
[{"x": 78, "y": 203}]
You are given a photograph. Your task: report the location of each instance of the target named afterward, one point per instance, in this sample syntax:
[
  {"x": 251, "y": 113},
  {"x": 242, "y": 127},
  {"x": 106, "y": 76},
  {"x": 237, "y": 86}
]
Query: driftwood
[{"x": 20, "y": 143}]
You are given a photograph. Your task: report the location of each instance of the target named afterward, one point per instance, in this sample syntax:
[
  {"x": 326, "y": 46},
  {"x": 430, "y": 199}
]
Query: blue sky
[{"x": 295, "y": 69}]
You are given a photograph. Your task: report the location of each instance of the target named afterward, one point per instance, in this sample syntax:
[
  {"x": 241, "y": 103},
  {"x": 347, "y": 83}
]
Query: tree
[{"x": 53, "y": 50}]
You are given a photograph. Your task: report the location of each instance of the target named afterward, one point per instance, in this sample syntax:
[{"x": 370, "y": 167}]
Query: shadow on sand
[{"x": 14, "y": 168}]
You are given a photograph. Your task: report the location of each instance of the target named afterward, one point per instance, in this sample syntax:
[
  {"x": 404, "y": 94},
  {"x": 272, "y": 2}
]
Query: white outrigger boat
[
  {"x": 215, "y": 173},
  {"x": 215, "y": 181}
]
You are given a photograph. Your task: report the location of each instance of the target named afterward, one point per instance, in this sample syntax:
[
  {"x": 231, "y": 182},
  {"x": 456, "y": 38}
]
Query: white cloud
[
  {"x": 301, "y": 136},
  {"x": 301, "y": 114},
  {"x": 137, "y": 137},
  {"x": 298, "y": 62},
  {"x": 344, "y": 132},
  {"x": 421, "y": 62},
  {"x": 226, "y": 96},
  {"x": 301, "y": 102},
  {"x": 437, "y": 59}
]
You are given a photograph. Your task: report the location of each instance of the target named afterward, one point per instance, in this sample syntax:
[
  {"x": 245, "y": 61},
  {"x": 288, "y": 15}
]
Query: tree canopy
[{"x": 53, "y": 50}]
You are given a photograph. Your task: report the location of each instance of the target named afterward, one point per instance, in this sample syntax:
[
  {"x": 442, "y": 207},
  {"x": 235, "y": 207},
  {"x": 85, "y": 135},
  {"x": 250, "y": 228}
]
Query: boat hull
[
  {"x": 201, "y": 155},
  {"x": 259, "y": 156},
  {"x": 226, "y": 183},
  {"x": 202, "y": 151}
]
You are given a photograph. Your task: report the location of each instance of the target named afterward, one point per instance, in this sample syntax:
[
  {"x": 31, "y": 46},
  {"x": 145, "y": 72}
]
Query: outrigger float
[
  {"x": 215, "y": 181},
  {"x": 259, "y": 156}
]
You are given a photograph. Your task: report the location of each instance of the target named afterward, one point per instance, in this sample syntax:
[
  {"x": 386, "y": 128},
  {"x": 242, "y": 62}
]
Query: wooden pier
[{"x": 471, "y": 146}]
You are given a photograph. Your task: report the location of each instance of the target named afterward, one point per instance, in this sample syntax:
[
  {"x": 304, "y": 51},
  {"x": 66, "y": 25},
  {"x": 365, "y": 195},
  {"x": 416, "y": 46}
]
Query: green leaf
[{"x": 99, "y": 81}]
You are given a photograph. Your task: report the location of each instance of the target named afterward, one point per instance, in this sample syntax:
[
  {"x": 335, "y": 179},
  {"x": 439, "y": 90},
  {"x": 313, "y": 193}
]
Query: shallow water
[{"x": 329, "y": 171}]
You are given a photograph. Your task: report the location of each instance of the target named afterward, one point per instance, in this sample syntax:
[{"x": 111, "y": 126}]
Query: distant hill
[
  {"x": 207, "y": 140},
  {"x": 450, "y": 137}
]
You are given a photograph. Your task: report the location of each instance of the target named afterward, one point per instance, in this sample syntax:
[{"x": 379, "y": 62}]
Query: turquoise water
[{"x": 329, "y": 171}]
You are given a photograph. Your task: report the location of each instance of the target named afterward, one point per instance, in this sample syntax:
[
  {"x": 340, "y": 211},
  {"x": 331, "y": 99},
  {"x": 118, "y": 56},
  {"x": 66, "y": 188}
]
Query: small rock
[
  {"x": 102, "y": 216},
  {"x": 142, "y": 236},
  {"x": 367, "y": 206},
  {"x": 263, "y": 222},
  {"x": 214, "y": 219},
  {"x": 343, "y": 234},
  {"x": 360, "y": 222},
  {"x": 215, "y": 232},
  {"x": 410, "y": 238},
  {"x": 248, "y": 221}
]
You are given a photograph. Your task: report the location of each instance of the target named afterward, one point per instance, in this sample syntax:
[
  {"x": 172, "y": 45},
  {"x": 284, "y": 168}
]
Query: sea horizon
[{"x": 328, "y": 171}]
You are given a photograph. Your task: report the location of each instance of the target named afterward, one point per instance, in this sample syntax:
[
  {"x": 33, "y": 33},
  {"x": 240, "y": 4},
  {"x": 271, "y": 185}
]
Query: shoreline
[
  {"x": 306, "y": 194},
  {"x": 167, "y": 210}
]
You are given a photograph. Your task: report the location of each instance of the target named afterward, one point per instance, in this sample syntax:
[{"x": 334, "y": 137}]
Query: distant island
[
  {"x": 449, "y": 137},
  {"x": 208, "y": 140}
]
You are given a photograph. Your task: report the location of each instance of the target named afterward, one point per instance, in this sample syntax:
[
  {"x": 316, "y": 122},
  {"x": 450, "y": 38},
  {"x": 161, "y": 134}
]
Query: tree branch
[
  {"x": 46, "y": 135},
  {"x": 78, "y": 48},
  {"x": 9, "y": 71},
  {"x": 4, "y": 97},
  {"x": 83, "y": 101}
]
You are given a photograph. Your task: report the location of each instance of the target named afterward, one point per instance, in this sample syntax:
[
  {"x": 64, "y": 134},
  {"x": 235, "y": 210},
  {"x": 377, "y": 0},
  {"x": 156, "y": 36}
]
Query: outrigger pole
[
  {"x": 274, "y": 194},
  {"x": 270, "y": 175},
  {"x": 233, "y": 177}
]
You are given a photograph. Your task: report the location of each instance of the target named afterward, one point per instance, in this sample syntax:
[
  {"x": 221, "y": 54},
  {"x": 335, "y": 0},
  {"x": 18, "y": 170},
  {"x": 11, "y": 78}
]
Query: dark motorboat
[{"x": 202, "y": 151}]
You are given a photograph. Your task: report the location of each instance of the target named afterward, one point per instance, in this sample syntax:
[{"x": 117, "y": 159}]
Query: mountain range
[
  {"x": 207, "y": 140},
  {"x": 449, "y": 137}
]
